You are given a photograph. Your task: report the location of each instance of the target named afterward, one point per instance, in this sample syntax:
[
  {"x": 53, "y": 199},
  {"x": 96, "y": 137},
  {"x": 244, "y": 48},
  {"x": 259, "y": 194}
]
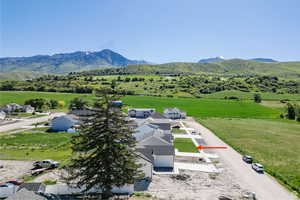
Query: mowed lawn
[
  {"x": 35, "y": 146},
  {"x": 274, "y": 143},
  {"x": 185, "y": 145}
]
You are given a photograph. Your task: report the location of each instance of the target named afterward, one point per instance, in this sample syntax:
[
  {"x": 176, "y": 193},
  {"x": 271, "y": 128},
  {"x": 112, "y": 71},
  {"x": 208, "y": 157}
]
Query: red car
[{"x": 15, "y": 182}]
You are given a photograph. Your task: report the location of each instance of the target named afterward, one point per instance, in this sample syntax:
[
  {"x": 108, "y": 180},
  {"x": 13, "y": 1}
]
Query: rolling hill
[
  {"x": 290, "y": 70},
  {"x": 65, "y": 62}
]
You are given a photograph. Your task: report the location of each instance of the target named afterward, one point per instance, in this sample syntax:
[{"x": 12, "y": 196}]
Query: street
[{"x": 28, "y": 122}]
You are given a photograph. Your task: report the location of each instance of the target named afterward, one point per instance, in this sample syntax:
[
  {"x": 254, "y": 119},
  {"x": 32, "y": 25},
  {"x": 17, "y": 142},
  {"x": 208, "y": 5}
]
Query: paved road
[
  {"x": 265, "y": 186},
  {"x": 27, "y": 122}
]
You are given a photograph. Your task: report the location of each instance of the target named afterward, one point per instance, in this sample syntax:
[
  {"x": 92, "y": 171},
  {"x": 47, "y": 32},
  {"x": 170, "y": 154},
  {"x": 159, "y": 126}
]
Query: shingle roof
[
  {"x": 25, "y": 194},
  {"x": 163, "y": 150},
  {"x": 153, "y": 141},
  {"x": 146, "y": 153},
  {"x": 35, "y": 187},
  {"x": 163, "y": 126},
  {"x": 157, "y": 115}
]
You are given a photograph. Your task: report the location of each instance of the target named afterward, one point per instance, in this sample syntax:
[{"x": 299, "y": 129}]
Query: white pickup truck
[{"x": 46, "y": 164}]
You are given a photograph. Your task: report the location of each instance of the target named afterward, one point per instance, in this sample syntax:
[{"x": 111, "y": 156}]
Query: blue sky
[{"x": 155, "y": 30}]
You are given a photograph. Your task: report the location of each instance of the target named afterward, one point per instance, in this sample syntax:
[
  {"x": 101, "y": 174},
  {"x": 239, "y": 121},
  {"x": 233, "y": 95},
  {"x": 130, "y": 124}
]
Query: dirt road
[
  {"x": 265, "y": 186},
  {"x": 27, "y": 122}
]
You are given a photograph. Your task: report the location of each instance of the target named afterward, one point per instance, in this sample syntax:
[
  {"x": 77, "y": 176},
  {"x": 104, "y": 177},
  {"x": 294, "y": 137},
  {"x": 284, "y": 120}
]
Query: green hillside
[{"x": 228, "y": 67}]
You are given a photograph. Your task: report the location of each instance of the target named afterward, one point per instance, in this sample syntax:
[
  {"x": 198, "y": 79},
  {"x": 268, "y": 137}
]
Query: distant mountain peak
[
  {"x": 215, "y": 59},
  {"x": 263, "y": 60}
]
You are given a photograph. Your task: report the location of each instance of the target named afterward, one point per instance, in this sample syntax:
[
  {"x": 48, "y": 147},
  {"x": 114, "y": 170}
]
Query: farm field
[
  {"x": 193, "y": 107},
  {"x": 274, "y": 143},
  {"x": 205, "y": 107},
  {"x": 249, "y": 95},
  {"x": 185, "y": 145}
]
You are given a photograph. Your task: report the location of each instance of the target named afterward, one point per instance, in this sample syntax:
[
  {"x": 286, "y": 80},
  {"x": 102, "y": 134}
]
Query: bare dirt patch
[
  {"x": 197, "y": 185},
  {"x": 13, "y": 169}
]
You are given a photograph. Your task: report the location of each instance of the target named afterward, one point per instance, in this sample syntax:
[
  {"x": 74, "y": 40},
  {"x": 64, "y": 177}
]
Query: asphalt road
[
  {"x": 264, "y": 185},
  {"x": 27, "y": 122}
]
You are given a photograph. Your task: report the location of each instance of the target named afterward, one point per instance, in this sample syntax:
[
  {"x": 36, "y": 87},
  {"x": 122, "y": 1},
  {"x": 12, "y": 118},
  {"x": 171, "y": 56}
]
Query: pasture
[{"x": 193, "y": 107}]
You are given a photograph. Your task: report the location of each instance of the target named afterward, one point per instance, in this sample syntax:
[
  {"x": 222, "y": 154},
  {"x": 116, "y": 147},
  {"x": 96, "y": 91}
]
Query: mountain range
[
  {"x": 24, "y": 67},
  {"x": 66, "y": 62},
  {"x": 221, "y": 58}
]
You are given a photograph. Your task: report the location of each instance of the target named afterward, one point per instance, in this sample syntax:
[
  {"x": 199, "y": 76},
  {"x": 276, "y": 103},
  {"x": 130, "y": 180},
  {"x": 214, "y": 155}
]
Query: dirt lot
[
  {"x": 199, "y": 185},
  {"x": 14, "y": 169}
]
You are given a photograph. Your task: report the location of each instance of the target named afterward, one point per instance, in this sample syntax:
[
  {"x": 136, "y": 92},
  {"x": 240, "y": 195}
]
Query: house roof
[
  {"x": 141, "y": 109},
  {"x": 153, "y": 141},
  {"x": 35, "y": 187},
  {"x": 157, "y": 115},
  {"x": 144, "y": 131},
  {"x": 163, "y": 150},
  {"x": 172, "y": 110},
  {"x": 146, "y": 154},
  {"x": 163, "y": 126},
  {"x": 25, "y": 194}
]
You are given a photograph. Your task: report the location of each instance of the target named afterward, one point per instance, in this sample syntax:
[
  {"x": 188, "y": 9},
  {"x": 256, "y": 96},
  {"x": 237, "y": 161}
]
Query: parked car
[
  {"x": 176, "y": 126},
  {"x": 247, "y": 158},
  {"x": 258, "y": 167},
  {"x": 15, "y": 182},
  {"x": 46, "y": 164}
]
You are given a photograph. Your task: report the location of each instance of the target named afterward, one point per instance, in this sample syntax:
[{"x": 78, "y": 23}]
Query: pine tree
[{"x": 103, "y": 151}]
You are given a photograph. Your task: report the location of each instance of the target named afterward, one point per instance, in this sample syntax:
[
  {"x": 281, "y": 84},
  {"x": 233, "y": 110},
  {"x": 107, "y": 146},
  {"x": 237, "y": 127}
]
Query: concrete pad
[{"x": 209, "y": 168}]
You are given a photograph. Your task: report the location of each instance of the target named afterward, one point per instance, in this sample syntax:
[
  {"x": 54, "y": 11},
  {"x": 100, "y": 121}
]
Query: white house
[
  {"x": 64, "y": 123},
  {"x": 162, "y": 151},
  {"x": 140, "y": 112},
  {"x": 174, "y": 113},
  {"x": 2, "y": 115},
  {"x": 28, "y": 109}
]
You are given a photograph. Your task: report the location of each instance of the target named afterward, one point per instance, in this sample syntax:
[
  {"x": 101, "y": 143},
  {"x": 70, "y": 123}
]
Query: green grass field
[
  {"x": 35, "y": 146},
  {"x": 274, "y": 143},
  {"x": 185, "y": 145},
  {"x": 205, "y": 107},
  {"x": 193, "y": 107},
  {"x": 249, "y": 95}
]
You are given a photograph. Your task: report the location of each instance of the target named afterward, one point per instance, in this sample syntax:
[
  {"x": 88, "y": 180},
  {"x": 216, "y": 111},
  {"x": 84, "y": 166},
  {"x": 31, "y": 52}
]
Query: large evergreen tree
[{"x": 103, "y": 151}]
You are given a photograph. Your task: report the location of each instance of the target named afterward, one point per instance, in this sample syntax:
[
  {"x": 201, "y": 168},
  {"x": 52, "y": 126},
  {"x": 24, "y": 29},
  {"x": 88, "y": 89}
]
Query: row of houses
[
  {"x": 14, "y": 108},
  {"x": 171, "y": 113}
]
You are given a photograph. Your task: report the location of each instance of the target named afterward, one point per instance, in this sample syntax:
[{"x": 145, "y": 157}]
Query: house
[
  {"x": 64, "y": 123},
  {"x": 25, "y": 194},
  {"x": 12, "y": 107},
  {"x": 146, "y": 160},
  {"x": 161, "y": 150},
  {"x": 2, "y": 115},
  {"x": 28, "y": 109},
  {"x": 174, "y": 113},
  {"x": 140, "y": 112}
]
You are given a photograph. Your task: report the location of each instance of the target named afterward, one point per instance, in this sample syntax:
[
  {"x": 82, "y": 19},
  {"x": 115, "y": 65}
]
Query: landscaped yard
[
  {"x": 185, "y": 145},
  {"x": 178, "y": 131},
  {"x": 274, "y": 143}
]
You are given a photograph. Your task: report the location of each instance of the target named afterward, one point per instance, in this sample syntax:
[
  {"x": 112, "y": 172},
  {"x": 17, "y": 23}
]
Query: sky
[{"x": 158, "y": 31}]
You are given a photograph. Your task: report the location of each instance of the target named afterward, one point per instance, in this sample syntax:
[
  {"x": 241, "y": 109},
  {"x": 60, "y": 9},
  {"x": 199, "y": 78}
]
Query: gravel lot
[{"x": 14, "y": 169}]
